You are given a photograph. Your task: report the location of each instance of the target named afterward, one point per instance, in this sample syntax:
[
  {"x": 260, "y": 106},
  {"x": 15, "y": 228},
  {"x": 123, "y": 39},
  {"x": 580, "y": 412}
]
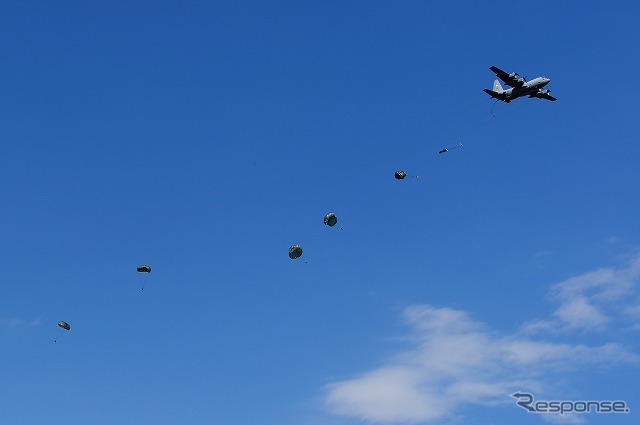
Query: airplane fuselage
[{"x": 527, "y": 89}]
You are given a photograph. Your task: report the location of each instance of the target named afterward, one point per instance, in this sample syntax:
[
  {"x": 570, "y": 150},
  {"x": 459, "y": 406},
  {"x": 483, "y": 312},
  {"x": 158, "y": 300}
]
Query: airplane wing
[
  {"x": 544, "y": 95},
  {"x": 511, "y": 80}
]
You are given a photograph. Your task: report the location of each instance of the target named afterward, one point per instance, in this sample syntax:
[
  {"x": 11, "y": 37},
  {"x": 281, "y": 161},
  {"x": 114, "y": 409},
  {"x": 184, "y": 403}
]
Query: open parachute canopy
[
  {"x": 400, "y": 175},
  {"x": 144, "y": 269},
  {"x": 295, "y": 251},
  {"x": 64, "y": 325},
  {"x": 330, "y": 219}
]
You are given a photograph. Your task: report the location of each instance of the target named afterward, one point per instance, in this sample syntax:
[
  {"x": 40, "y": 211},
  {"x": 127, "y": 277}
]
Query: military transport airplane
[{"x": 519, "y": 87}]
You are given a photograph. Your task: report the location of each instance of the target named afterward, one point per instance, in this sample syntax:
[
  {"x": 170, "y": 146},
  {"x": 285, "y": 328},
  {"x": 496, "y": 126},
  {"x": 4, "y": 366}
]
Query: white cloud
[
  {"x": 453, "y": 357},
  {"x": 591, "y": 301},
  {"x": 388, "y": 394},
  {"x": 17, "y": 323},
  {"x": 580, "y": 313}
]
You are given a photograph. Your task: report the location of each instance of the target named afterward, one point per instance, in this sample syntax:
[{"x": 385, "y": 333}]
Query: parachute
[
  {"x": 401, "y": 175},
  {"x": 61, "y": 325},
  {"x": 295, "y": 251},
  {"x": 143, "y": 279},
  {"x": 330, "y": 219},
  {"x": 445, "y": 150}
]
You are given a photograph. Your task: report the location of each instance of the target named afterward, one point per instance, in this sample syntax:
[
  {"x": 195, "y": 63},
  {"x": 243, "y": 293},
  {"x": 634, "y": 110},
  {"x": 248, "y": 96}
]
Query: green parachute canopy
[
  {"x": 400, "y": 175},
  {"x": 295, "y": 251},
  {"x": 144, "y": 269},
  {"x": 64, "y": 325},
  {"x": 330, "y": 219}
]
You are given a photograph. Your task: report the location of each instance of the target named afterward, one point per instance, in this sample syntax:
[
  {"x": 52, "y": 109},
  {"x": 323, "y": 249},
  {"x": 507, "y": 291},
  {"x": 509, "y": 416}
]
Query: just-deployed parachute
[{"x": 401, "y": 175}]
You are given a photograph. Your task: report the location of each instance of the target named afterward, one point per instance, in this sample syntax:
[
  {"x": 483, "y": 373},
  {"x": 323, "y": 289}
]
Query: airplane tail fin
[{"x": 497, "y": 87}]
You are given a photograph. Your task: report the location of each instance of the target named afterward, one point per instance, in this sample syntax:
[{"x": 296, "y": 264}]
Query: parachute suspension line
[
  {"x": 474, "y": 127},
  {"x": 494, "y": 104}
]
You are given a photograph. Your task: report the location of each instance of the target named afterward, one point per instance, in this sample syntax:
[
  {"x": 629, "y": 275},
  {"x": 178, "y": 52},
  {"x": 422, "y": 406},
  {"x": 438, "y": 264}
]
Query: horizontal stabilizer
[
  {"x": 492, "y": 93},
  {"x": 496, "y": 95}
]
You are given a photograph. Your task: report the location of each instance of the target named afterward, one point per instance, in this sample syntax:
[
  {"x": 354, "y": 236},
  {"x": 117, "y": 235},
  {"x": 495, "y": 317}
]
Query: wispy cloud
[
  {"x": 17, "y": 323},
  {"x": 590, "y": 301},
  {"x": 452, "y": 358}
]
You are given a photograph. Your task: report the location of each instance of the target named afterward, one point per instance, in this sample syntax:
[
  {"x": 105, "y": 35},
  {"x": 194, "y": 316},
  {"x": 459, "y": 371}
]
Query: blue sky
[{"x": 205, "y": 138}]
